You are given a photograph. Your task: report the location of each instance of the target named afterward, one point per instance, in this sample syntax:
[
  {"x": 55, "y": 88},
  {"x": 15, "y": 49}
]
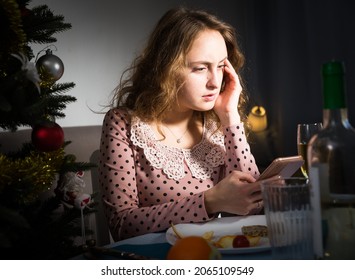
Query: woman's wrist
[
  {"x": 211, "y": 201},
  {"x": 229, "y": 119}
]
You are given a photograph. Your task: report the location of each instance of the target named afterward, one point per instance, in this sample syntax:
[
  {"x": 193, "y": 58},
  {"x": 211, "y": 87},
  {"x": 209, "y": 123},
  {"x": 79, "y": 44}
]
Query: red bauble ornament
[{"x": 47, "y": 137}]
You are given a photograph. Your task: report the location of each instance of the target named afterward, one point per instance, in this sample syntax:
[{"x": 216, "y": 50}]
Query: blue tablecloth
[
  {"x": 160, "y": 250},
  {"x": 155, "y": 245},
  {"x": 155, "y": 251}
]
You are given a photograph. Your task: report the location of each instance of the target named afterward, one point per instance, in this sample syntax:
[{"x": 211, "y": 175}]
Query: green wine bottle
[{"x": 331, "y": 161}]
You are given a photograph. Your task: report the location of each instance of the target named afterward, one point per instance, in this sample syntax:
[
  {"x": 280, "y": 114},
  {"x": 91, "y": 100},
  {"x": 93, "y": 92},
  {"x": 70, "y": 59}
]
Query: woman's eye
[
  {"x": 199, "y": 69},
  {"x": 221, "y": 66}
]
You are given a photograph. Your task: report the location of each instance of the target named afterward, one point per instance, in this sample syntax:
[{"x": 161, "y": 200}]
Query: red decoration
[{"x": 48, "y": 137}]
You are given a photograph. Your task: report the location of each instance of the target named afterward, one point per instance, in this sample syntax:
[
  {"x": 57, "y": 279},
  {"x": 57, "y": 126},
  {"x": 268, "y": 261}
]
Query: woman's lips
[{"x": 209, "y": 97}]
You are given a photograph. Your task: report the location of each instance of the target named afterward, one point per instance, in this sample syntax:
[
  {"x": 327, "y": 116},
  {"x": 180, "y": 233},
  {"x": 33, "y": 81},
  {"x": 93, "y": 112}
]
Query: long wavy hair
[{"x": 149, "y": 88}]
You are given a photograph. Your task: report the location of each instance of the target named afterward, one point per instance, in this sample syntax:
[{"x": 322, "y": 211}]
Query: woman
[{"x": 174, "y": 150}]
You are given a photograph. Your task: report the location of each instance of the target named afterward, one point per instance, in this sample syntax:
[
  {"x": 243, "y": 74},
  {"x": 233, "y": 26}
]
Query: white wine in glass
[
  {"x": 302, "y": 151},
  {"x": 305, "y": 131}
]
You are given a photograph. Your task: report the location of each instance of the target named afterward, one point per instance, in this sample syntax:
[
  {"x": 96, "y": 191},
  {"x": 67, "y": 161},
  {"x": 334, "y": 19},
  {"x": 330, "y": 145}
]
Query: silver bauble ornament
[{"x": 50, "y": 68}]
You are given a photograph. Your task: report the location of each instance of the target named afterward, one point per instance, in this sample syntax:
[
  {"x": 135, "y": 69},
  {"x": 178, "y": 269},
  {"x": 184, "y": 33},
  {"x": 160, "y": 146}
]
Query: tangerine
[{"x": 192, "y": 248}]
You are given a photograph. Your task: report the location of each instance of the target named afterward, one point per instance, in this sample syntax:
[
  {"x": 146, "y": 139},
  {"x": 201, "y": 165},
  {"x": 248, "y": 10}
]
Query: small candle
[{"x": 257, "y": 118}]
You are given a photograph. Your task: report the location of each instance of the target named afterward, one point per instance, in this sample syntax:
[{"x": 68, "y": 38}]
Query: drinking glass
[
  {"x": 289, "y": 217},
  {"x": 305, "y": 131}
]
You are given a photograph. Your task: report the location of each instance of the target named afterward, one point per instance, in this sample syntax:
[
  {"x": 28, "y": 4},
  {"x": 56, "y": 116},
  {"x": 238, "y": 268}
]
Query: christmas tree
[{"x": 33, "y": 227}]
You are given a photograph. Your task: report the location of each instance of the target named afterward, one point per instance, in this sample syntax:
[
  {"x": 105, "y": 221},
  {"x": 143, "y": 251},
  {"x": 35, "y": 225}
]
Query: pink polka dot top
[{"x": 147, "y": 185}]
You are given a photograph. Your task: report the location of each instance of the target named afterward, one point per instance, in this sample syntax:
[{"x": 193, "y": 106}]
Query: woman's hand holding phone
[{"x": 284, "y": 166}]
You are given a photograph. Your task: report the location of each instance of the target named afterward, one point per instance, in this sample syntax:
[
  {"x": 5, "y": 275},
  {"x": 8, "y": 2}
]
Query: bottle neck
[
  {"x": 335, "y": 117},
  {"x": 334, "y": 105}
]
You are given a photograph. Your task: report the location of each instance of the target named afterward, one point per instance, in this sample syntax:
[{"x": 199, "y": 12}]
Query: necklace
[{"x": 178, "y": 139}]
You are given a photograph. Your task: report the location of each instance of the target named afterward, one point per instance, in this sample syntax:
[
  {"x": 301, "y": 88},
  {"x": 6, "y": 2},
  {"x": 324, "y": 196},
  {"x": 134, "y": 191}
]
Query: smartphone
[{"x": 283, "y": 166}]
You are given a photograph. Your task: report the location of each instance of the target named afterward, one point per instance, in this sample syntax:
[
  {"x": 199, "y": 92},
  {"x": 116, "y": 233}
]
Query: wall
[{"x": 104, "y": 38}]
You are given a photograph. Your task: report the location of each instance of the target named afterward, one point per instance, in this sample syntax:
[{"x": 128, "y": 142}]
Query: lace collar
[{"x": 201, "y": 159}]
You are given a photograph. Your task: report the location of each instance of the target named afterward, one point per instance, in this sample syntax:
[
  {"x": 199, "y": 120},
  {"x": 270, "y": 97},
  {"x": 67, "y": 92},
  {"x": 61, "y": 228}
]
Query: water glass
[
  {"x": 289, "y": 217},
  {"x": 305, "y": 131}
]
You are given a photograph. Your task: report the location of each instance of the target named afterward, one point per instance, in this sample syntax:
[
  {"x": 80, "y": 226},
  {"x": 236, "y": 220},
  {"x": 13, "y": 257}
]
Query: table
[{"x": 155, "y": 245}]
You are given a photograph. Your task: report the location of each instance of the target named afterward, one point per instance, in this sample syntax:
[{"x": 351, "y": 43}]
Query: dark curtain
[{"x": 286, "y": 43}]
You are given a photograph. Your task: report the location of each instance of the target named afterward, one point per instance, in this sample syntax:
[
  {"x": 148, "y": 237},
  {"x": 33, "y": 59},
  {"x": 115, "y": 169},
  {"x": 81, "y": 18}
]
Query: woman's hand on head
[
  {"x": 226, "y": 106},
  {"x": 239, "y": 193}
]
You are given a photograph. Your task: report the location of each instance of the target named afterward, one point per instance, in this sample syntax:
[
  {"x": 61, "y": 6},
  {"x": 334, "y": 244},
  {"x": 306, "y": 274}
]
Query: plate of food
[{"x": 230, "y": 235}]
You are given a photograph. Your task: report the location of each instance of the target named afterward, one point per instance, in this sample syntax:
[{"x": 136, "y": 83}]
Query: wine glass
[{"x": 305, "y": 131}]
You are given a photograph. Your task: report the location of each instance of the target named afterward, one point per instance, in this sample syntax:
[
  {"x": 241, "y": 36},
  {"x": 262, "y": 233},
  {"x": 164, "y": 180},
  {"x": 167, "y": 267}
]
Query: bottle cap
[{"x": 333, "y": 68}]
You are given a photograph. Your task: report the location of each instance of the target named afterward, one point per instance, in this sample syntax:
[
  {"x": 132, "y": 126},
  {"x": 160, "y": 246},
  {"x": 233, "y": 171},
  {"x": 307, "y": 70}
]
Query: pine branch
[
  {"x": 42, "y": 24},
  {"x": 71, "y": 165},
  {"x": 58, "y": 88},
  {"x": 50, "y": 105}
]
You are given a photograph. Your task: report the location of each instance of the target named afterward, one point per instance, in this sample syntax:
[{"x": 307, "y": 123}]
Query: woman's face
[{"x": 203, "y": 74}]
